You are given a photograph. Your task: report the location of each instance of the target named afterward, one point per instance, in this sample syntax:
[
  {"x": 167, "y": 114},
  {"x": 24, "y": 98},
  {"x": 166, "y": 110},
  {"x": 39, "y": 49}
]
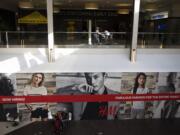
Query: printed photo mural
[{"x": 86, "y": 84}]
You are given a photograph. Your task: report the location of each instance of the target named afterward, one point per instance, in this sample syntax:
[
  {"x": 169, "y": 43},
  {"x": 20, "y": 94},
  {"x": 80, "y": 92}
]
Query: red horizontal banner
[{"x": 88, "y": 98}]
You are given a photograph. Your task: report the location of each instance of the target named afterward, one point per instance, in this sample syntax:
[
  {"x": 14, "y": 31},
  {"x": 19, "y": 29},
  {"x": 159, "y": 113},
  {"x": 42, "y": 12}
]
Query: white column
[
  {"x": 50, "y": 30},
  {"x": 89, "y": 32},
  {"x": 135, "y": 30}
]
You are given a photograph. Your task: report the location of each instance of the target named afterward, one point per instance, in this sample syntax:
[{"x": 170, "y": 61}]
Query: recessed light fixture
[
  {"x": 123, "y": 4},
  {"x": 150, "y": 1},
  {"x": 150, "y": 7},
  {"x": 25, "y": 4},
  {"x": 56, "y": 10},
  {"x": 123, "y": 11},
  {"x": 91, "y": 6},
  {"x": 57, "y": 3}
]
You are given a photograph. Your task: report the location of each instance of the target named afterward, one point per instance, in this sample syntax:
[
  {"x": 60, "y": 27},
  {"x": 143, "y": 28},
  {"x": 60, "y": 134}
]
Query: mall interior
[{"x": 76, "y": 36}]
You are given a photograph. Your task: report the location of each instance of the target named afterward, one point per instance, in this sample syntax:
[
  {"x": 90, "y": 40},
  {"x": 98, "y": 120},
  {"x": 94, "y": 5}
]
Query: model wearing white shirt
[
  {"x": 138, "y": 107},
  {"x": 35, "y": 88}
]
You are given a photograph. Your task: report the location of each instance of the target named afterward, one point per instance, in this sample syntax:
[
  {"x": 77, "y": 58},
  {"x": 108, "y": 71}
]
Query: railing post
[
  {"x": 162, "y": 41},
  {"x": 0, "y": 38},
  {"x": 22, "y": 43},
  {"x": 7, "y": 42},
  {"x": 89, "y": 32}
]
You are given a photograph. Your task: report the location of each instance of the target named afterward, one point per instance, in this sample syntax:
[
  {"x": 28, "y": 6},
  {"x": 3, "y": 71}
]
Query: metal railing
[
  {"x": 37, "y": 39},
  {"x": 34, "y": 39},
  {"x": 82, "y": 39},
  {"x": 158, "y": 40},
  {"x": 23, "y": 39}
]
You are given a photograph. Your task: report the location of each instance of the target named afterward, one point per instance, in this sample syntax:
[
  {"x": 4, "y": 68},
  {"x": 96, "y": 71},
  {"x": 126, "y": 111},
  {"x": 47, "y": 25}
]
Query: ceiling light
[
  {"x": 57, "y": 3},
  {"x": 123, "y": 4},
  {"x": 56, "y": 10},
  {"x": 123, "y": 11},
  {"x": 151, "y": 7},
  {"x": 91, "y": 6},
  {"x": 150, "y": 1},
  {"x": 25, "y": 4}
]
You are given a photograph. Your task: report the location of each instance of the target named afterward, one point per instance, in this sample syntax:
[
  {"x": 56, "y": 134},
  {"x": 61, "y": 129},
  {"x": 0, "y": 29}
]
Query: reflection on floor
[
  {"x": 6, "y": 127},
  {"x": 119, "y": 127},
  {"x": 35, "y": 128}
]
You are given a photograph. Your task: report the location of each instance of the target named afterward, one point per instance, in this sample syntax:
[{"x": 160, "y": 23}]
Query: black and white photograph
[
  {"x": 93, "y": 83},
  {"x": 8, "y": 88},
  {"x": 167, "y": 83}
]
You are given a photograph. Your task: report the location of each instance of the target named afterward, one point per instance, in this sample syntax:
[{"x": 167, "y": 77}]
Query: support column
[
  {"x": 89, "y": 32},
  {"x": 135, "y": 30},
  {"x": 51, "y": 56}
]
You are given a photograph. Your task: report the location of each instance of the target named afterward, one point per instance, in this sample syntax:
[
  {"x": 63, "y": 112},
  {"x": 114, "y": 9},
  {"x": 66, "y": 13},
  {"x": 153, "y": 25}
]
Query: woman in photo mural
[
  {"x": 36, "y": 88},
  {"x": 138, "y": 107}
]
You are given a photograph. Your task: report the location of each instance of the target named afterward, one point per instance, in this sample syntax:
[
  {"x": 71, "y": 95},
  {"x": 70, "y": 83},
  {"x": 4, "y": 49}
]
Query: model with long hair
[
  {"x": 138, "y": 107},
  {"x": 35, "y": 87}
]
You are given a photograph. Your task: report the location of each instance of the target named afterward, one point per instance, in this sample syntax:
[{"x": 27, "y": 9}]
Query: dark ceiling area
[{"x": 146, "y": 5}]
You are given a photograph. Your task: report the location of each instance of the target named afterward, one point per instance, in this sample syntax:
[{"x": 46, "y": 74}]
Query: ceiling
[{"x": 99, "y": 4}]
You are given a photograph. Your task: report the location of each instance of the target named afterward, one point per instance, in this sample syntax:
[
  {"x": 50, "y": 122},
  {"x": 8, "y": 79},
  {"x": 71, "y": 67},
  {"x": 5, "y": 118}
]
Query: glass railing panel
[
  {"x": 70, "y": 38},
  {"x": 39, "y": 39},
  {"x": 81, "y": 39},
  {"x": 158, "y": 40},
  {"x": 120, "y": 39},
  {"x": 24, "y": 39},
  {"x": 36, "y": 39}
]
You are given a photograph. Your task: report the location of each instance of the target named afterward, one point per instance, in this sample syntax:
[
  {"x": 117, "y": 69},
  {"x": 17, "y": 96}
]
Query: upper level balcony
[{"x": 37, "y": 39}]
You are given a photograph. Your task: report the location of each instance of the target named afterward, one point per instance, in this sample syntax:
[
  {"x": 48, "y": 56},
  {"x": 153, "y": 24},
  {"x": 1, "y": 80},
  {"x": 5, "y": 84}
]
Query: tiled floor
[
  {"x": 6, "y": 127},
  {"x": 119, "y": 127}
]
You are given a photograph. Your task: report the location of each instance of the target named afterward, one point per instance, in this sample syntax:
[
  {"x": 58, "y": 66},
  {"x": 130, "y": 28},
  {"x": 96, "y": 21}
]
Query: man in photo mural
[
  {"x": 168, "y": 108},
  {"x": 95, "y": 85}
]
